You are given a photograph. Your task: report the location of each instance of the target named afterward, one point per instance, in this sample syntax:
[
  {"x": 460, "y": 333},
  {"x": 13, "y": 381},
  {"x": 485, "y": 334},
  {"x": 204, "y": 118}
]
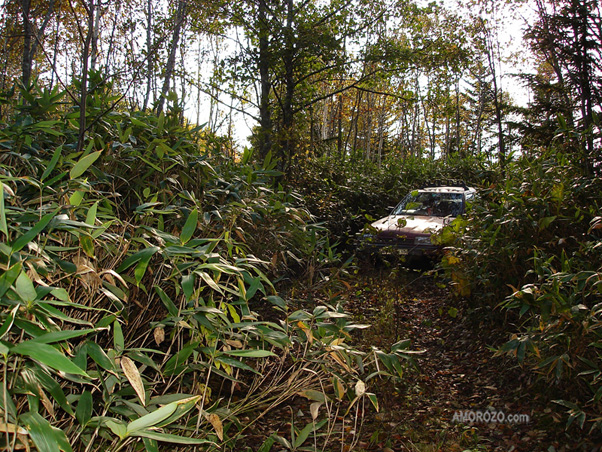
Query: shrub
[
  {"x": 137, "y": 294},
  {"x": 531, "y": 248}
]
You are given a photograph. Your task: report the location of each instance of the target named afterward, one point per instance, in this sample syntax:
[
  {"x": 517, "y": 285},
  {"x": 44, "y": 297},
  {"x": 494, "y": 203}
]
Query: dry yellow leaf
[
  {"x": 360, "y": 388},
  {"x": 133, "y": 375},
  {"x": 12, "y": 428},
  {"x": 234, "y": 343},
  {"x": 334, "y": 355},
  {"x": 46, "y": 401},
  {"x": 159, "y": 335},
  {"x": 314, "y": 409},
  {"x": 216, "y": 422}
]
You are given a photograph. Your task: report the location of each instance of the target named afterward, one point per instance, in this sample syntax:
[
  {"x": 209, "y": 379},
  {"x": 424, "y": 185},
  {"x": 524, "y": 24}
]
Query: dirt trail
[{"x": 458, "y": 375}]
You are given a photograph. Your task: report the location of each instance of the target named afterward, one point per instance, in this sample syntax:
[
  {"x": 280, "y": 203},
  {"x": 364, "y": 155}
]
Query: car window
[{"x": 430, "y": 204}]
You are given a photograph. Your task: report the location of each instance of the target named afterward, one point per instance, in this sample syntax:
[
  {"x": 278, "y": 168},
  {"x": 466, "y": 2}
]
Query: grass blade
[
  {"x": 41, "y": 432},
  {"x": 160, "y": 414},
  {"x": 189, "y": 227},
  {"x": 33, "y": 232},
  {"x": 174, "y": 439},
  {"x": 83, "y": 412},
  {"x": 83, "y": 164},
  {"x": 47, "y": 355},
  {"x": 53, "y": 162}
]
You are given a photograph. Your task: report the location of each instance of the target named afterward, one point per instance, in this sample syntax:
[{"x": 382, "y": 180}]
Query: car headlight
[{"x": 422, "y": 240}]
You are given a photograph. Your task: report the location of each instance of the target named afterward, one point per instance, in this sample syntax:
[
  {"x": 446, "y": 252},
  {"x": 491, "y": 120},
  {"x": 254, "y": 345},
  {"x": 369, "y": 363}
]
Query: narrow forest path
[{"x": 458, "y": 374}]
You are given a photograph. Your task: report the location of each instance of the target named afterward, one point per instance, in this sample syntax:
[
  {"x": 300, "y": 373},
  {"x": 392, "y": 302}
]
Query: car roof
[{"x": 447, "y": 189}]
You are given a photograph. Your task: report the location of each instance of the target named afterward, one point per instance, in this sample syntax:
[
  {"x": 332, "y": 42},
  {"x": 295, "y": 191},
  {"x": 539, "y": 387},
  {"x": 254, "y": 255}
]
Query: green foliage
[
  {"x": 531, "y": 249},
  {"x": 132, "y": 278}
]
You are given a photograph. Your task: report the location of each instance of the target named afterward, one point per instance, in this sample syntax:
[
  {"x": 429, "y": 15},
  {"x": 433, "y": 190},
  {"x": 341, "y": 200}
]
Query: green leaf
[
  {"x": 544, "y": 223},
  {"x": 60, "y": 294},
  {"x": 44, "y": 436},
  {"x": 118, "y": 340},
  {"x": 53, "y": 162},
  {"x": 150, "y": 445},
  {"x": 83, "y": 412},
  {"x": 188, "y": 285},
  {"x": 161, "y": 414},
  {"x": 304, "y": 434},
  {"x": 171, "y": 307},
  {"x": 184, "y": 405},
  {"x": 267, "y": 444},
  {"x": 250, "y": 353},
  {"x": 9, "y": 277},
  {"x": 55, "y": 389},
  {"x": 58, "y": 336},
  {"x": 174, "y": 439},
  {"x": 143, "y": 257},
  {"x": 235, "y": 363},
  {"x": 99, "y": 356},
  {"x": 160, "y": 124},
  {"x": 117, "y": 428},
  {"x": 312, "y": 394},
  {"x": 210, "y": 282},
  {"x": 48, "y": 355},
  {"x": 20, "y": 242},
  {"x": 373, "y": 399},
  {"x": 8, "y": 322},
  {"x": 174, "y": 365},
  {"x": 25, "y": 289},
  {"x": 189, "y": 227},
  {"x": 61, "y": 439},
  {"x": 83, "y": 164},
  {"x": 76, "y": 198},
  {"x": 91, "y": 215}
]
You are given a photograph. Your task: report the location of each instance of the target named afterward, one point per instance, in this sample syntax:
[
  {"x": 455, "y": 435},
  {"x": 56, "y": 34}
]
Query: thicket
[
  {"x": 346, "y": 195},
  {"x": 137, "y": 289},
  {"x": 528, "y": 256}
]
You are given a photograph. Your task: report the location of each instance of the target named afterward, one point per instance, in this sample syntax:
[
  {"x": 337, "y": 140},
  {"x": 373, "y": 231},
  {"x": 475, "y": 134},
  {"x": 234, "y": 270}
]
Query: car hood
[{"x": 414, "y": 226}]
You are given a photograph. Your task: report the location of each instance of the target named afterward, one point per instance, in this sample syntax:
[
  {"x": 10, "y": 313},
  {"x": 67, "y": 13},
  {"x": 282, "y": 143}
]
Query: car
[{"x": 412, "y": 222}]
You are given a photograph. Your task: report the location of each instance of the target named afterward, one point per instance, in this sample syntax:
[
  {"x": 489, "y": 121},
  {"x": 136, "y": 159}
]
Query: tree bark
[
  {"x": 149, "y": 45},
  {"x": 26, "y": 62},
  {"x": 263, "y": 63},
  {"x": 91, "y": 11},
  {"x": 171, "y": 61}
]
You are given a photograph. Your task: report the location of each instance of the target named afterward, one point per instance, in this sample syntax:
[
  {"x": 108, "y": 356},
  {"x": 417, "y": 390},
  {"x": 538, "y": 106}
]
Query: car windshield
[{"x": 431, "y": 204}]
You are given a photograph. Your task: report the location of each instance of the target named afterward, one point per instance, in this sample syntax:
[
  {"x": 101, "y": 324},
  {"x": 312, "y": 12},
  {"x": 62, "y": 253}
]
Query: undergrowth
[
  {"x": 138, "y": 289},
  {"x": 527, "y": 257}
]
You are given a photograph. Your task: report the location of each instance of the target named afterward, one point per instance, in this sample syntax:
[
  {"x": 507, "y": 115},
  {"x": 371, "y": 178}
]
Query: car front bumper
[{"x": 406, "y": 246}]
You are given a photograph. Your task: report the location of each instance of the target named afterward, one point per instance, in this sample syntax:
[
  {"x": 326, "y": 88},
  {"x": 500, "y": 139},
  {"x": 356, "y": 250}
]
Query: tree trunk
[
  {"x": 287, "y": 141},
  {"x": 497, "y": 95},
  {"x": 171, "y": 61},
  {"x": 30, "y": 42},
  {"x": 149, "y": 45},
  {"x": 91, "y": 11},
  {"x": 581, "y": 33},
  {"x": 265, "y": 112},
  {"x": 26, "y": 61},
  {"x": 94, "y": 40}
]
